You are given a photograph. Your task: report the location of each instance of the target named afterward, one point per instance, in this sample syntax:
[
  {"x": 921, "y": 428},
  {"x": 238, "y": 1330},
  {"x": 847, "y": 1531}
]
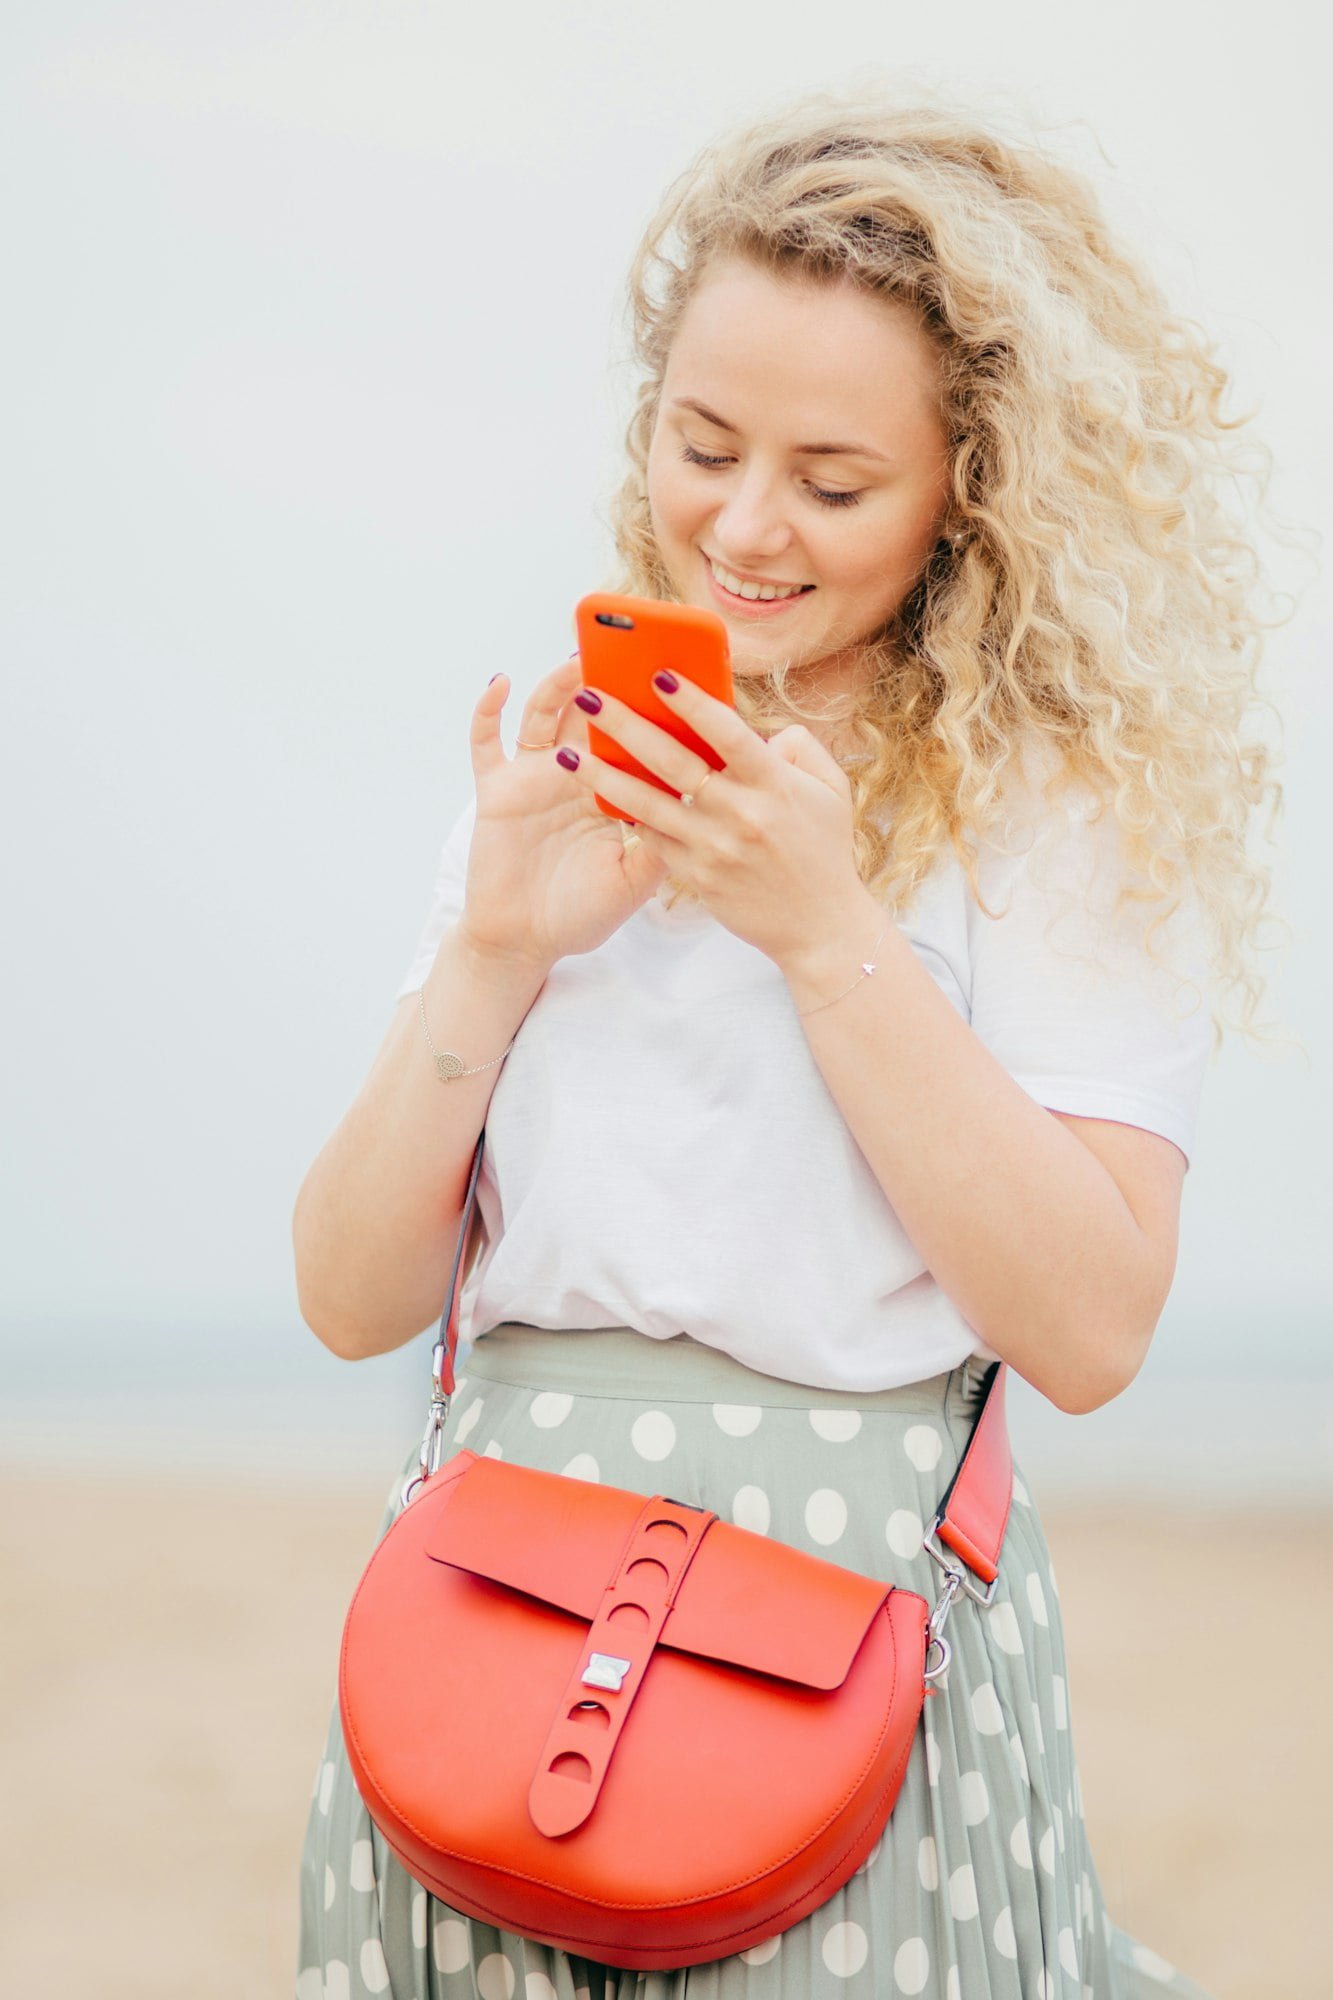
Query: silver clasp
[
  {"x": 432, "y": 1440},
  {"x": 956, "y": 1578}
]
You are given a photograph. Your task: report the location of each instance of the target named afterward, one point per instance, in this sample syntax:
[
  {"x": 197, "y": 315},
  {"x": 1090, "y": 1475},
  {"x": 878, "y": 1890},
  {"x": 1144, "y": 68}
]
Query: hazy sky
[{"x": 314, "y": 400}]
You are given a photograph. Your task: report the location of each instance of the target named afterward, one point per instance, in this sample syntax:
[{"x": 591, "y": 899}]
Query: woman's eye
[{"x": 829, "y": 499}]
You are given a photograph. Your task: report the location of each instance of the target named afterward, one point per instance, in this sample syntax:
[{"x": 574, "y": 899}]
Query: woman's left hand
[{"x": 767, "y": 844}]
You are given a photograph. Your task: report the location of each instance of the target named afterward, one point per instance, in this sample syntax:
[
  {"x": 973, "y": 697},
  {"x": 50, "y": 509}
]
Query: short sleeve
[
  {"x": 1064, "y": 991},
  {"x": 447, "y": 898}
]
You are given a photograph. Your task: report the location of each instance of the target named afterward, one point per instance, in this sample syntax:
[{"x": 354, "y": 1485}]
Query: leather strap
[
  {"x": 641, "y": 1590},
  {"x": 974, "y": 1512}
]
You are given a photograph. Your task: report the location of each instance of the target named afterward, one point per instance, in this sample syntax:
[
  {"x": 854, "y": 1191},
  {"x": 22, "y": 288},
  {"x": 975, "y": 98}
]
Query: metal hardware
[
  {"x": 432, "y": 1440},
  {"x": 951, "y": 1566},
  {"x": 956, "y": 1578},
  {"x": 604, "y": 1670}
]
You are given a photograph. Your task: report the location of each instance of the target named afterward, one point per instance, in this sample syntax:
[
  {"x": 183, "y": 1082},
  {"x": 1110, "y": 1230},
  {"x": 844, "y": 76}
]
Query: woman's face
[{"x": 818, "y": 406}]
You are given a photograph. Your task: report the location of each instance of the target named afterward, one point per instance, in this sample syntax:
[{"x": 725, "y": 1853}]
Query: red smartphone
[{"x": 623, "y": 641}]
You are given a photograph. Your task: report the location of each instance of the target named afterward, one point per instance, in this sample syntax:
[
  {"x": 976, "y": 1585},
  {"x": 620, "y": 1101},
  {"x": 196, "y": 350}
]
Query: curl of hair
[{"x": 1100, "y": 607}]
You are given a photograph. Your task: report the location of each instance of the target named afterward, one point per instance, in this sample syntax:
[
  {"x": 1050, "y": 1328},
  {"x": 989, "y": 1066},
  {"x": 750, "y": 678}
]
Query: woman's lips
[{"x": 750, "y": 607}]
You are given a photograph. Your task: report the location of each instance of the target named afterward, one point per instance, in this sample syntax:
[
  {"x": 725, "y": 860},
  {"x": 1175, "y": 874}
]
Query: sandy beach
[{"x": 168, "y": 1670}]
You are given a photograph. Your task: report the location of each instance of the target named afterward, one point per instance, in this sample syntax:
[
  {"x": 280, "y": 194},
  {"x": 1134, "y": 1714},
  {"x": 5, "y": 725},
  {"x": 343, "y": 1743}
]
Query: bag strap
[{"x": 972, "y": 1515}]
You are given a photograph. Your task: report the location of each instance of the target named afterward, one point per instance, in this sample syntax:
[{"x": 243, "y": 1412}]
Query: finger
[
  {"x": 647, "y": 804},
  {"x": 484, "y": 742},
  {"x": 654, "y": 747},
  {"x": 718, "y": 724}
]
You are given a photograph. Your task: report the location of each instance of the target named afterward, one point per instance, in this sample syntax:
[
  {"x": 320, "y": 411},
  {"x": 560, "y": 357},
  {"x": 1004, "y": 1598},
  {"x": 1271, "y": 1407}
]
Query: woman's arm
[
  {"x": 1059, "y": 1262},
  {"x": 377, "y": 1215}
]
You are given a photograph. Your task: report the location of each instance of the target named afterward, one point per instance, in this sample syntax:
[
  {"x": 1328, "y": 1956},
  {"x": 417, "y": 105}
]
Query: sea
[{"x": 1250, "y": 1425}]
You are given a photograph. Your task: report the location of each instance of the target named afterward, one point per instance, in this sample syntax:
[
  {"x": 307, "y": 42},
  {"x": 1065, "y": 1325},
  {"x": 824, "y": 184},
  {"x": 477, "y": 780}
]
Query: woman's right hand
[{"x": 548, "y": 874}]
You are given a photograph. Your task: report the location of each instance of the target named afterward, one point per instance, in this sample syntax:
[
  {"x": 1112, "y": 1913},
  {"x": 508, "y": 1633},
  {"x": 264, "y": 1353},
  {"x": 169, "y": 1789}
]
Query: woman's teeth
[{"x": 759, "y": 590}]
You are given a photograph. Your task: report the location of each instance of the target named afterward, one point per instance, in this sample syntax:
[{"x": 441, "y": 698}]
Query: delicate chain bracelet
[
  {"x": 446, "y": 1062},
  {"x": 867, "y": 968}
]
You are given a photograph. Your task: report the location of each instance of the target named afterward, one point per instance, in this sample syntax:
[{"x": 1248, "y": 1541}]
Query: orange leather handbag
[{"x": 622, "y": 1725}]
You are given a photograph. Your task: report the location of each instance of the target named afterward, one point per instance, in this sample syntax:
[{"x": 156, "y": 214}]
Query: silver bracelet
[
  {"x": 446, "y": 1062},
  {"x": 867, "y": 968}
]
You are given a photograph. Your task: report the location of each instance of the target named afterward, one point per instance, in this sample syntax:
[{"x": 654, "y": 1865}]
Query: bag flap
[{"x": 744, "y": 1600}]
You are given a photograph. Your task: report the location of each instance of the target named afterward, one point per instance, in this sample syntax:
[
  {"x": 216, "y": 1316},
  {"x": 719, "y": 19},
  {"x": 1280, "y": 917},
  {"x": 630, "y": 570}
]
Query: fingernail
[
  {"x": 493, "y": 679},
  {"x": 587, "y": 699},
  {"x": 667, "y": 682},
  {"x": 569, "y": 758}
]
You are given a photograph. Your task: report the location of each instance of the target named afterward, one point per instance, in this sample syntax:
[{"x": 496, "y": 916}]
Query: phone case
[{"x": 623, "y": 641}]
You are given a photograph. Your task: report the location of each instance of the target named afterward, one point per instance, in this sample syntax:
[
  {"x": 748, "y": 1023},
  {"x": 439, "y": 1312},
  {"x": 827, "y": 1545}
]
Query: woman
[{"x": 756, "y": 1221}]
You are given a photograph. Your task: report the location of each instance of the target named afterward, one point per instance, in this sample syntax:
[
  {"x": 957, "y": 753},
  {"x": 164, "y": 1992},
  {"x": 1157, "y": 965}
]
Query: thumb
[{"x": 804, "y": 752}]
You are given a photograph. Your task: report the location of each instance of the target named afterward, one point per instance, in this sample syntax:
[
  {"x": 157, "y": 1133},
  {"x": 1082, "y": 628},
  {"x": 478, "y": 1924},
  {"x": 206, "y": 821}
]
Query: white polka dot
[
  {"x": 653, "y": 1434},
  {"x": 1107, "y": 1925},
  {"x": 1060, "y": 1701},
  {"x": 963, "y": 1893},
  {"x": 330, "y": 1887},
  {"x": 986, "y": 1712},
  {"x": 536, "y": 1986},
  {"x": 1005, "y": 1941},
  {"x": 493, "y": 1450},
  {"x": 468, "y": 1420},
  {"x": 1021, "y": 1759},
  {"x": 845, "y": 1949},
  {"x": 750, "y": 1509},
  {"x": 1038, "y": 1731},
  {"x": 450, "y": 1945},
  {"x": 835, "y": 1426},
  {"x": 1059, "y": 1828},
  {"x": 911, "y": 1966},
  {"x": 825, "y": 1515},
  {"x": 1152, "y": 1963},
  {"x": 1050, "y": 1571},
  {"x": 1085, "y": 1902},
  {"x": 495, "y": 1977},
  {"x": 1020, "y": 1844},
  {"x": 1069, "y": 1953},
  {"x": 374, "y": 1971},
  {"x": 759, "y": 1954},
  {"x": 1037, "y": 1599},
  {"x": 419, "y": 1919},
  {"x": 737, "y": 1419},
  {"x": 973, "y": 1798},
  {"x": 1002, "y": 1624},
  {"x": 924, "y": 1447},
  {"x": 549, "y": 1408},
  {"x": 337, "y": 1981},
  {"x": 872, "y": 1857},
  {"x": 361, "y": 1871},
  {"x": 583, "y": 1466},
  {"x": 903, "y": 1532},
  {"x": 1046, "y": 1850},
  {"x": 928, "y": 1864},
  {"x": 325, "y": 1787},
  {"x": 1045, "y": 1985},
  {"x": 953, "y": 1985},
  {"x": 1021, "y": 1494},
  {"x": 932, "y": 1760},
  {"x": 310, "y": 1984}
]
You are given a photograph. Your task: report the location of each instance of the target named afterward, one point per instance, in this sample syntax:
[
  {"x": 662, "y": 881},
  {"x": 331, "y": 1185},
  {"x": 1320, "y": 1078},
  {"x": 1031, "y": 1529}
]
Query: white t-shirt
[{"x": 662, "y": 1150}]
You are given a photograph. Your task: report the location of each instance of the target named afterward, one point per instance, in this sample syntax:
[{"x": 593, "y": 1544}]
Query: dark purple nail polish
[
  {"x": 666, "y": 681},
  {"x": 587, "y": 699},
  {"x": 569, "y": 758}
]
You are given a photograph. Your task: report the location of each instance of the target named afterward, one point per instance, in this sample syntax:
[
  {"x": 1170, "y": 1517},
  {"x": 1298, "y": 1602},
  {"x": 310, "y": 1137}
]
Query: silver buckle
[{"x": 604, "y": 1670}]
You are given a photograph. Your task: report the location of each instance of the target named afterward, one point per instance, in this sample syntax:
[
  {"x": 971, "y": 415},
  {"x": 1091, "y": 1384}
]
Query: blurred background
[{"x": 314, "y": 388}]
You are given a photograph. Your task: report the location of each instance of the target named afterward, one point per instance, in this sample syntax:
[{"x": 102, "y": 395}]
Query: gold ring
[
  {"x": 688, "y": 798},
  {"x": 535, "y": 746}
]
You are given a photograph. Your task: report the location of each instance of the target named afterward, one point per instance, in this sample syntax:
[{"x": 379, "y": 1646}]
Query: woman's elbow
[{"x": 1093, "y": 1373}]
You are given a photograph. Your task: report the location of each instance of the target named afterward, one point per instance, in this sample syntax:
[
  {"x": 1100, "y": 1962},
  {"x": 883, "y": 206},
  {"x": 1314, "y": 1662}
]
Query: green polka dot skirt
[{"x": 981, "y": 1887}]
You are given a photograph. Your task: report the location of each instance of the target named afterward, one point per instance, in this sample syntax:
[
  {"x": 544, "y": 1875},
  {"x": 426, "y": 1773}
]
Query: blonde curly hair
[{"x": 1100, "y": 603}]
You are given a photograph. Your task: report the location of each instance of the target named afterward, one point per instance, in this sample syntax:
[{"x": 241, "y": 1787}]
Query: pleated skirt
[{"x": 982, "y": 1886}]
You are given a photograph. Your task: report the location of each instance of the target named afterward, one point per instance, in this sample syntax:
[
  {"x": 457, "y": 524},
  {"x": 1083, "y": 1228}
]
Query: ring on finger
[{"x": 688, "y": 798}]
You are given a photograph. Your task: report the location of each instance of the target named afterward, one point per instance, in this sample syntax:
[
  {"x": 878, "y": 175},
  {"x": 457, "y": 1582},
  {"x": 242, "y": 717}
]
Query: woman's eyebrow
[{"x": 810, "y": 450}]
